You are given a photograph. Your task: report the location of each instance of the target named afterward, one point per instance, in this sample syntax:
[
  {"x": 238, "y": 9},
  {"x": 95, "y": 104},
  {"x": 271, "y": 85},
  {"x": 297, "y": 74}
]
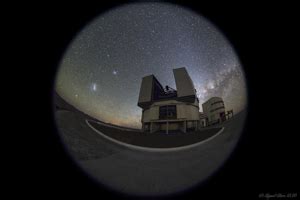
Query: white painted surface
[{"x": 140, "y": 148}]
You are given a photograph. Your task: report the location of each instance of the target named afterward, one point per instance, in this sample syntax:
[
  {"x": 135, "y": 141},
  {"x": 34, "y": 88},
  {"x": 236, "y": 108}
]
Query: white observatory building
[
  {"x": 167, "y": 109},
  {"x": 214, "y": 108}
]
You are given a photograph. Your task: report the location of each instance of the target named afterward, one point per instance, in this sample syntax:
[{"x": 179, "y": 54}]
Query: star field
[{"x": 102, "y": 69}]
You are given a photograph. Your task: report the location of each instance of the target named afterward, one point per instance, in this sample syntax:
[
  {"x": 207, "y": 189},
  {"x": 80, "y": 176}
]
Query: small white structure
[
  {"x": 203, "y": 119},
  {"x": 169, "y": 109},
  {"x": 214, "y": 111}
]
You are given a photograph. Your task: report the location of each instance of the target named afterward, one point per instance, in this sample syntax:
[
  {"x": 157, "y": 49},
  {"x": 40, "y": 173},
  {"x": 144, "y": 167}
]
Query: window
[{"x": 167, "y": 112}]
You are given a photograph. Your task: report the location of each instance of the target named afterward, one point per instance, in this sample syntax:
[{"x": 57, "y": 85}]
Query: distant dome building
[
  {"x": 214, "y": 111},
  {"x": 167, "y": 109}
]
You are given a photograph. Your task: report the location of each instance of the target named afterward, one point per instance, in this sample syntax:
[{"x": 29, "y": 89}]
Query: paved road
[{"x": 145, "y": 173}]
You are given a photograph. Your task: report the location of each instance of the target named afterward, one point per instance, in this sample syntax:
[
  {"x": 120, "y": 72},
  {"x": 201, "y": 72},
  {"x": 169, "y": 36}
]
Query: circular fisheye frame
[{"x": 150, "y": 99}]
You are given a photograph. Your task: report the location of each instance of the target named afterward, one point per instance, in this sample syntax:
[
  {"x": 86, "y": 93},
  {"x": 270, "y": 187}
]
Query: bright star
[{"x": 94, "y": 87}]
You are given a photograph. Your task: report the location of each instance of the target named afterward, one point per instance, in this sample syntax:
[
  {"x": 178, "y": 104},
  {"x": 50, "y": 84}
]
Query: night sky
[{"x": 102, "y": 69}]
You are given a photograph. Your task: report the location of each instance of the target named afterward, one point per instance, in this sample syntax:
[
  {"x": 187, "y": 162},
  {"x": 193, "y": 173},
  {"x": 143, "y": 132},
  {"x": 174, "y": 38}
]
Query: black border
[{"x": 264, "y": 160}]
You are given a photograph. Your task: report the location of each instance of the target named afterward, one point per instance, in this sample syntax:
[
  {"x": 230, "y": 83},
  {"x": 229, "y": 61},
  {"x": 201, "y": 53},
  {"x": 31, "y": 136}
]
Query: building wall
[
  {"x": 150, "y": 114},
  {"x": 184, "y": 110},
  {"x": 172, "y": 126},
  {"x": 190, "y": 112}
]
